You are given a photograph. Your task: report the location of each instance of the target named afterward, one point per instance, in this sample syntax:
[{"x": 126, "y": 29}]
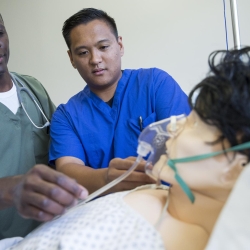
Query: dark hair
[
  {"x": 224, "y": 95},
  {"x": 85, "y": 16}
]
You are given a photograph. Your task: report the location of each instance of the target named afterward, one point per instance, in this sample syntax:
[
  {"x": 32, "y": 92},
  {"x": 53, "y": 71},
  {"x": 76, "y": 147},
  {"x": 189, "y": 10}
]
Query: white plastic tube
[{"x": 114, "y": 182}]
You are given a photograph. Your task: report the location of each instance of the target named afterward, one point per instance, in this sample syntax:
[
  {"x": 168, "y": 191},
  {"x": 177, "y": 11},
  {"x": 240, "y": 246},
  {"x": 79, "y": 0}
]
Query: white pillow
[{"x": 232, "y": 229}]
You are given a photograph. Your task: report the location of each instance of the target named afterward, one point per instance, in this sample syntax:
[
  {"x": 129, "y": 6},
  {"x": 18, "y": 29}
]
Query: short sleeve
[{"x": 64, "y": 138}]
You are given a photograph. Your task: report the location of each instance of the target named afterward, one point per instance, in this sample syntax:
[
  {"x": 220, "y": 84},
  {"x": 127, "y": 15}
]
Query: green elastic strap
[{"x": 186, "y": 189}]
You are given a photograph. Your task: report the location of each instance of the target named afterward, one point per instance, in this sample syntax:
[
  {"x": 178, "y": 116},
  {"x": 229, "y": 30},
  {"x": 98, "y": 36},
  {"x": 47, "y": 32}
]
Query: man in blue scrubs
[{"x": 94, "y": 136}]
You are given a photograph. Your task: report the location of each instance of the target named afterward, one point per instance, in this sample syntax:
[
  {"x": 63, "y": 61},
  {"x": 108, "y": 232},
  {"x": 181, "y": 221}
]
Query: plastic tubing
[{"x": 113, "y": 183}]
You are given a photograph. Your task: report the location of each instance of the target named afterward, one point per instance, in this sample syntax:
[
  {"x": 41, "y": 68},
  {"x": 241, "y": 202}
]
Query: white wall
[{"x": 175, "y": 35}]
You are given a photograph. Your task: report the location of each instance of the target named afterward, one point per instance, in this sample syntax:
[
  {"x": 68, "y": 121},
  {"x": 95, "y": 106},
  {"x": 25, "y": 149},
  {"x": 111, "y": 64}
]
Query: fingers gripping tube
[
  {"x": 142, "y": 150},
  {"x": 114, "y": 182}
]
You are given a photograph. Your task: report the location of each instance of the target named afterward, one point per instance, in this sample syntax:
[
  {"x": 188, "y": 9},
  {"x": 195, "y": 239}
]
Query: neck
[
  {"x": 210, "y": 196},
  {"x": 5, "y": 82},
  {"x": 105, "y": 94},
  {"x": 203, "y": 212},
  {"x": 108, "y": 91}
]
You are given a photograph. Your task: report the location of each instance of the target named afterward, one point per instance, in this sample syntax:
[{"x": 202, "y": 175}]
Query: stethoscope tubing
[{"x": 21, "y": 87}]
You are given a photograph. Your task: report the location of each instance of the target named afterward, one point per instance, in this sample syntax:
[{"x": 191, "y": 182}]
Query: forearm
[
  {"x": 7, "y": 188},
  {"x": 91, "y": 179}
]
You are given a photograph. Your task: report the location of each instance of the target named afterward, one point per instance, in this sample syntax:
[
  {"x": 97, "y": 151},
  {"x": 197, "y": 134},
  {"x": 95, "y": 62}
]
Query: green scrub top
[{"x": 21, "y": 147}]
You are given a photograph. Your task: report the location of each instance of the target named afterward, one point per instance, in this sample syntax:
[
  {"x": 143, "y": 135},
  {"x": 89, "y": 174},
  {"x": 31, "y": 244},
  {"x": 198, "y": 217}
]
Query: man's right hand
[
  {"x": 118, "y": 166},
  {"x": 94, "y": 179},
  {"x": 43, "y": 193}
]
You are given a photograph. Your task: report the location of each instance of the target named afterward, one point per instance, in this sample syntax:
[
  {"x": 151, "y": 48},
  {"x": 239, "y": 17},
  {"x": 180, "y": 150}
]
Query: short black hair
[
  {"x": 224, "y": 95},
  {"x": 85, "y": 16}
]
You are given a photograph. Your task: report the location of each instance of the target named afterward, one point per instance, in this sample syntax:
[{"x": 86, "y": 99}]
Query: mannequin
[{"x": 219, "y": 121}]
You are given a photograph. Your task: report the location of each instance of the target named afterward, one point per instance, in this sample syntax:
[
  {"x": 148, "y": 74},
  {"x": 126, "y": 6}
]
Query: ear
[
  {"x": 71, "y": 58},
  {"x": 234, "y": 169},
  {"x": 121, "y": 45}
]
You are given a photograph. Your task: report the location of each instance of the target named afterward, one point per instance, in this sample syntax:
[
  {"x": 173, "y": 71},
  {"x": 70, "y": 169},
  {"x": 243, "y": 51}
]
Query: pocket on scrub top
[
  {"x": 135, "y": 123},
  {"x": 148, "y": 120}
]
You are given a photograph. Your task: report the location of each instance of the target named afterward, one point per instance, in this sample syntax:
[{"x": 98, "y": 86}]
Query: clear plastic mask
[{"x": 152, "y": 140}]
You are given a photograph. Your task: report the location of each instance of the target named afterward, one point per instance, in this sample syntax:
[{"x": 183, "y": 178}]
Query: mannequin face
[{"x": 204, "y": 176}]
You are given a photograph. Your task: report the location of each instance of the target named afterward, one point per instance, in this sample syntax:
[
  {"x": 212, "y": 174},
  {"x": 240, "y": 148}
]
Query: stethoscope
[{"x": 20, "y": 87}]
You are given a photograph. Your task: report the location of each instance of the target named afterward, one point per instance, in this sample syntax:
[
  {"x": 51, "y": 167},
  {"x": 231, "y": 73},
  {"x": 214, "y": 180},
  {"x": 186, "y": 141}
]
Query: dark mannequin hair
[
  {"x": 85, "y": 16},
  {"x": 224, "y": 95}
]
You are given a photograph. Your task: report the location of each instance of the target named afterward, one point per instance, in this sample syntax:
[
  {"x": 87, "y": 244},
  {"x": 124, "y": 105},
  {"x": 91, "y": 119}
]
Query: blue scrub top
[{"x": 89, "y": 129}]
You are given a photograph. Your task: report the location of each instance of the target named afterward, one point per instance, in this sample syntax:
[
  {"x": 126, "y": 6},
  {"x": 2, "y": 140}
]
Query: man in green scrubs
[{"x": 30, "y": 191}]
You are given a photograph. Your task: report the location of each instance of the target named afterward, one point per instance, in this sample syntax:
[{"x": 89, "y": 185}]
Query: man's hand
[
  {"x": 43, "y": 193},
  {"x": 94, "y": 179},
  {"x": 118, "y": 166}
]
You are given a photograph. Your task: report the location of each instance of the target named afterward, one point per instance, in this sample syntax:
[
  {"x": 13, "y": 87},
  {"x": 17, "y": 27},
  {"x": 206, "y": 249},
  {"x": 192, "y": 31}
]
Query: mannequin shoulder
[
  {"x": 148, "y": 203},
  {"x": 175, "y": 234}
]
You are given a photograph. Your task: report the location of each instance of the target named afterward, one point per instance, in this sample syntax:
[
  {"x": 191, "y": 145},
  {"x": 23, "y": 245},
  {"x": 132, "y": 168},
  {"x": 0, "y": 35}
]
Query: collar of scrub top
[
  {"x": 20, "y": 87},
  {"x": 171, "y": 163}
]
